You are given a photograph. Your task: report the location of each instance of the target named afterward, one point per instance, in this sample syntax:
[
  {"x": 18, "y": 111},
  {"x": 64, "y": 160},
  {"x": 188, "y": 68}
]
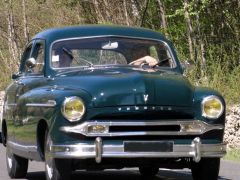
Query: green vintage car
[{"x": 99, "y": 97}]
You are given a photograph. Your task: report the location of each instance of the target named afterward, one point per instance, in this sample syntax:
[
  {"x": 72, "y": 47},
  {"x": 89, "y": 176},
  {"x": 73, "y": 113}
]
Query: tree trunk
[
  {"x": 106, "y": 5},
  {"x": 135, "y": 12},
  {"x": 144, "y": 12},
  {"x": 202, "y": 47},
  {"x": 12, "y": 42},
  {"x": 25, "y": 25},
  {"x": 162, "y": 15},
  {"x": 125, "y": 12},
  {"x": 100, "y": 17},
  {"x": 191, "y": 41}
]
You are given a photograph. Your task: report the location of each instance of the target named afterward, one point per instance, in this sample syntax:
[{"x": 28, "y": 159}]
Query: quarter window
[
  {"x": 39, "y": 57},
  {"x": 37, "y": 53},
  {"x": 25, "y": 56}
]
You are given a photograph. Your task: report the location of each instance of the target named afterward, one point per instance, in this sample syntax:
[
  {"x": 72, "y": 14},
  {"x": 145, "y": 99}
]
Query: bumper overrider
[{"x": 98, "y": 149}]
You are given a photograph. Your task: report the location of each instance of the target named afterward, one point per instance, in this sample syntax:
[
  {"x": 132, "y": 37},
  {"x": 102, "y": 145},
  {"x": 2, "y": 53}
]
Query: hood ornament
[{"x": 145, "y": 98}]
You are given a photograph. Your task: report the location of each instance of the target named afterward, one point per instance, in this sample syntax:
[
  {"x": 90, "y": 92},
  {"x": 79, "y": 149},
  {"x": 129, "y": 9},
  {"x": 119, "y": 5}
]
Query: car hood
[{"x": 130, "y": 86}]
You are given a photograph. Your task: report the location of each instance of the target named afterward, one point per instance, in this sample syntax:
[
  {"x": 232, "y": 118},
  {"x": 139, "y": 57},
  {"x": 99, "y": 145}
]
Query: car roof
[{"x": 51, "y": 35}]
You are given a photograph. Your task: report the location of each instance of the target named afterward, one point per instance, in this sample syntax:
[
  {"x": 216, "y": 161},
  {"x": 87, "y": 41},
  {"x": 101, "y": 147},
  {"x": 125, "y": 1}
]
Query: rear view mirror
[
  {"x": 31, "y": 63},
  {"x": 110, "y": 45}
]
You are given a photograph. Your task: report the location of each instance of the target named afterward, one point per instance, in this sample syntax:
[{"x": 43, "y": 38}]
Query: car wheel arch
[{"x": 41, "y": 130}]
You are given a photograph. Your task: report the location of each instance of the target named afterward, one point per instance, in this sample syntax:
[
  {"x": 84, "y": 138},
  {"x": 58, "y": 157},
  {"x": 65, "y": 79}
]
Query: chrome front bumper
[{"x": 98, "y": 150}]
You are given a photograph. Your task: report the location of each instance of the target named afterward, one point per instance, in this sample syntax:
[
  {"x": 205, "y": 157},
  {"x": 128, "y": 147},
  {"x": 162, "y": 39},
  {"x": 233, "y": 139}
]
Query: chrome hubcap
[
  {"x": 49, "y": 159},
  {"x": 9, "y": 162},
  {"x": 49, "y": 171}
]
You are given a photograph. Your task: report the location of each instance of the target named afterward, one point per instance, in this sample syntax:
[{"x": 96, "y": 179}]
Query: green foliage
[
  {"x": 218, "y": 77},
  {"x": 212, "y": 26},
  {"x": 233, "y": 155}
]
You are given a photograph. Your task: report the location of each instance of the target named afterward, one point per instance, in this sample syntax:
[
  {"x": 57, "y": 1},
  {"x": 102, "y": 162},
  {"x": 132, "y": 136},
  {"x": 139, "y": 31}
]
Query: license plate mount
[{"x": 148, "y": 146}]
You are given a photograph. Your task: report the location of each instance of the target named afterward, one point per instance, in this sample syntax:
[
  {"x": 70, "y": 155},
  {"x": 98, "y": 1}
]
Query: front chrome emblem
[{"x": 145, "y": 97}]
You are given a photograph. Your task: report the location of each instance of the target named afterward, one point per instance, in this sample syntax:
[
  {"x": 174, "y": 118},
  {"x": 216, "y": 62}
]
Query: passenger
[{"x": 65, "y": 59}]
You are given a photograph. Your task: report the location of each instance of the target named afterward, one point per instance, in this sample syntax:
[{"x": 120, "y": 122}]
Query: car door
[
  {"x": 12, "y": 95},
  {"x": 25, "y": 126}
]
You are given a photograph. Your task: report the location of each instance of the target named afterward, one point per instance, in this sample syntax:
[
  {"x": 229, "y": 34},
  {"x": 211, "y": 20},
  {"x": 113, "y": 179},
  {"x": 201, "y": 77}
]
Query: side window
[
  {"x": 25, "y": 56},
  {"x": 38, "y": 54}
]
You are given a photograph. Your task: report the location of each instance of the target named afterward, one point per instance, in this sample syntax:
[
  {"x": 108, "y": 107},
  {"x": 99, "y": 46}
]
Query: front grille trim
[{"x": 187, "y": 127}]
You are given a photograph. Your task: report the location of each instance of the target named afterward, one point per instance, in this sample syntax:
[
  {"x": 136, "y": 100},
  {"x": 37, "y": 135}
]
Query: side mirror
[
  {"x": 187, "y": 65},
  {"x": 15, "y": 76},
  {"x": 31, "y": 63}
]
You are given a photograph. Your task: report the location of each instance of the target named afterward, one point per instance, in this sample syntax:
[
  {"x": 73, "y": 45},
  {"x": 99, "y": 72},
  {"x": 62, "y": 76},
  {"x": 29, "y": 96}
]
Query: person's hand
[
  {"x": 145, "y": 60},
  {"x": 150, "y": 61}
]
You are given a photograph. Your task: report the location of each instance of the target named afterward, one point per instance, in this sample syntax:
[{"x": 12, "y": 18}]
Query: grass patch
[{"x": 233, "y": 155}]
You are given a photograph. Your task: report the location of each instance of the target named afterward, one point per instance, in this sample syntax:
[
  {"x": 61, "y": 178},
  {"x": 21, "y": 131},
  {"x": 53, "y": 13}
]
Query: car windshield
[{"x": 104, "y": 51}]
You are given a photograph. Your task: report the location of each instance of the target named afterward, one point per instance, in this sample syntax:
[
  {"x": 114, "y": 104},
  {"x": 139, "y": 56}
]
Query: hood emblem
[{"x": 145, "y": 98}]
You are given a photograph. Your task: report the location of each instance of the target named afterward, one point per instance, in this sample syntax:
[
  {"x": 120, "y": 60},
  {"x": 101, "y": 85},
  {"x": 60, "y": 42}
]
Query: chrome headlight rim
[
  {"x": 205, "y": 99},
  {"x": 68, "y": 99}
]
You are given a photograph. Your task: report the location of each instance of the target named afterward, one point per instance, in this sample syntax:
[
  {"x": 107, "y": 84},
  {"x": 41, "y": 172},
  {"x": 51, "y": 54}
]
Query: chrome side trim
[
  {"x": 187, "y": 127},
  {"x": 11, "y": 104},
  {"x": 49, "y": 103},
  {"x": 22, "y": 147},
  {"x": 88, "y": 150}
]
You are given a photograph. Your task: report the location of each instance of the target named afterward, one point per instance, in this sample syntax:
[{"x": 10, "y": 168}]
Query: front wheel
[
  {"x": 56, "y": 169},
  {"x": 16, "y": 166},
  {"x": 206, "y": 169},
  {"x": 148, "y": 172}
]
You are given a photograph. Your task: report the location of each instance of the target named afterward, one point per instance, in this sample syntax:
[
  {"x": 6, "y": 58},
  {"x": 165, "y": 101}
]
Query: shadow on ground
[{"x": 121, "y": 174}]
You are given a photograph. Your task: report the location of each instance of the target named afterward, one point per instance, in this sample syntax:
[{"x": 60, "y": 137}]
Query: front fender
[{"x": 45, "y": 103}]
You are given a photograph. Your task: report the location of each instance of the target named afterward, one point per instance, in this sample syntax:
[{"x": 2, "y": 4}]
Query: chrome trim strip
[
  {"x": 187, "y": 127},
  {"x": 85, "y": 151},
  {"x": 11, "y": 104},
  {"x": 22, "y": 147},
  {"x": 50, "y": 103}
]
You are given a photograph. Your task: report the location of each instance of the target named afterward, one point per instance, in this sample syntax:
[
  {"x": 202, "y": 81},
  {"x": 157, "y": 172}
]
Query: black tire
[
  {"x": 206, "y": 169},
  {"x": 1, "y": 138},
  {"x": 56, "y": 169},
  {"x": 149, "y": 172},
  {"x": 16, "y": 166}
]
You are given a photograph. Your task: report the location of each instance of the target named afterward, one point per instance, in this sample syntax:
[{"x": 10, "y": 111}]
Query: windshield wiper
[{"x": 70, "y": 54}]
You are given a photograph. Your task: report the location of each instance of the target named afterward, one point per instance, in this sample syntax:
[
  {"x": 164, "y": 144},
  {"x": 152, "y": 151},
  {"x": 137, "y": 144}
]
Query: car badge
[{"x": 145, "y": 97}]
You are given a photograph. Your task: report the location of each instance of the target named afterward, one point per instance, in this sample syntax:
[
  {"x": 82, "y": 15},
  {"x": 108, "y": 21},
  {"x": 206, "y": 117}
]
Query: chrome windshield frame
[{"x": 113, "y": 36}]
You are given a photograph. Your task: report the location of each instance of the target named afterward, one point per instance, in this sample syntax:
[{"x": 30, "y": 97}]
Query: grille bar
[{"x": 141, "y": 128}]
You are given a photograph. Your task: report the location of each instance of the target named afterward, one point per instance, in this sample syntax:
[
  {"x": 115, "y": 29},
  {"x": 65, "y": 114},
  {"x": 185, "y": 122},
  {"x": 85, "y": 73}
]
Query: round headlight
[
  {"x": 212, "y": 107},
  {"x": 73, "y": 108}
]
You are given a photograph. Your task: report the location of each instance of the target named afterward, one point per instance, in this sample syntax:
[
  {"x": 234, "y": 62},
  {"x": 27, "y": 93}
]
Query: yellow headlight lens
[
  {"x": 73, "y": 108},
  {"x": 212, "y": 107}
]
